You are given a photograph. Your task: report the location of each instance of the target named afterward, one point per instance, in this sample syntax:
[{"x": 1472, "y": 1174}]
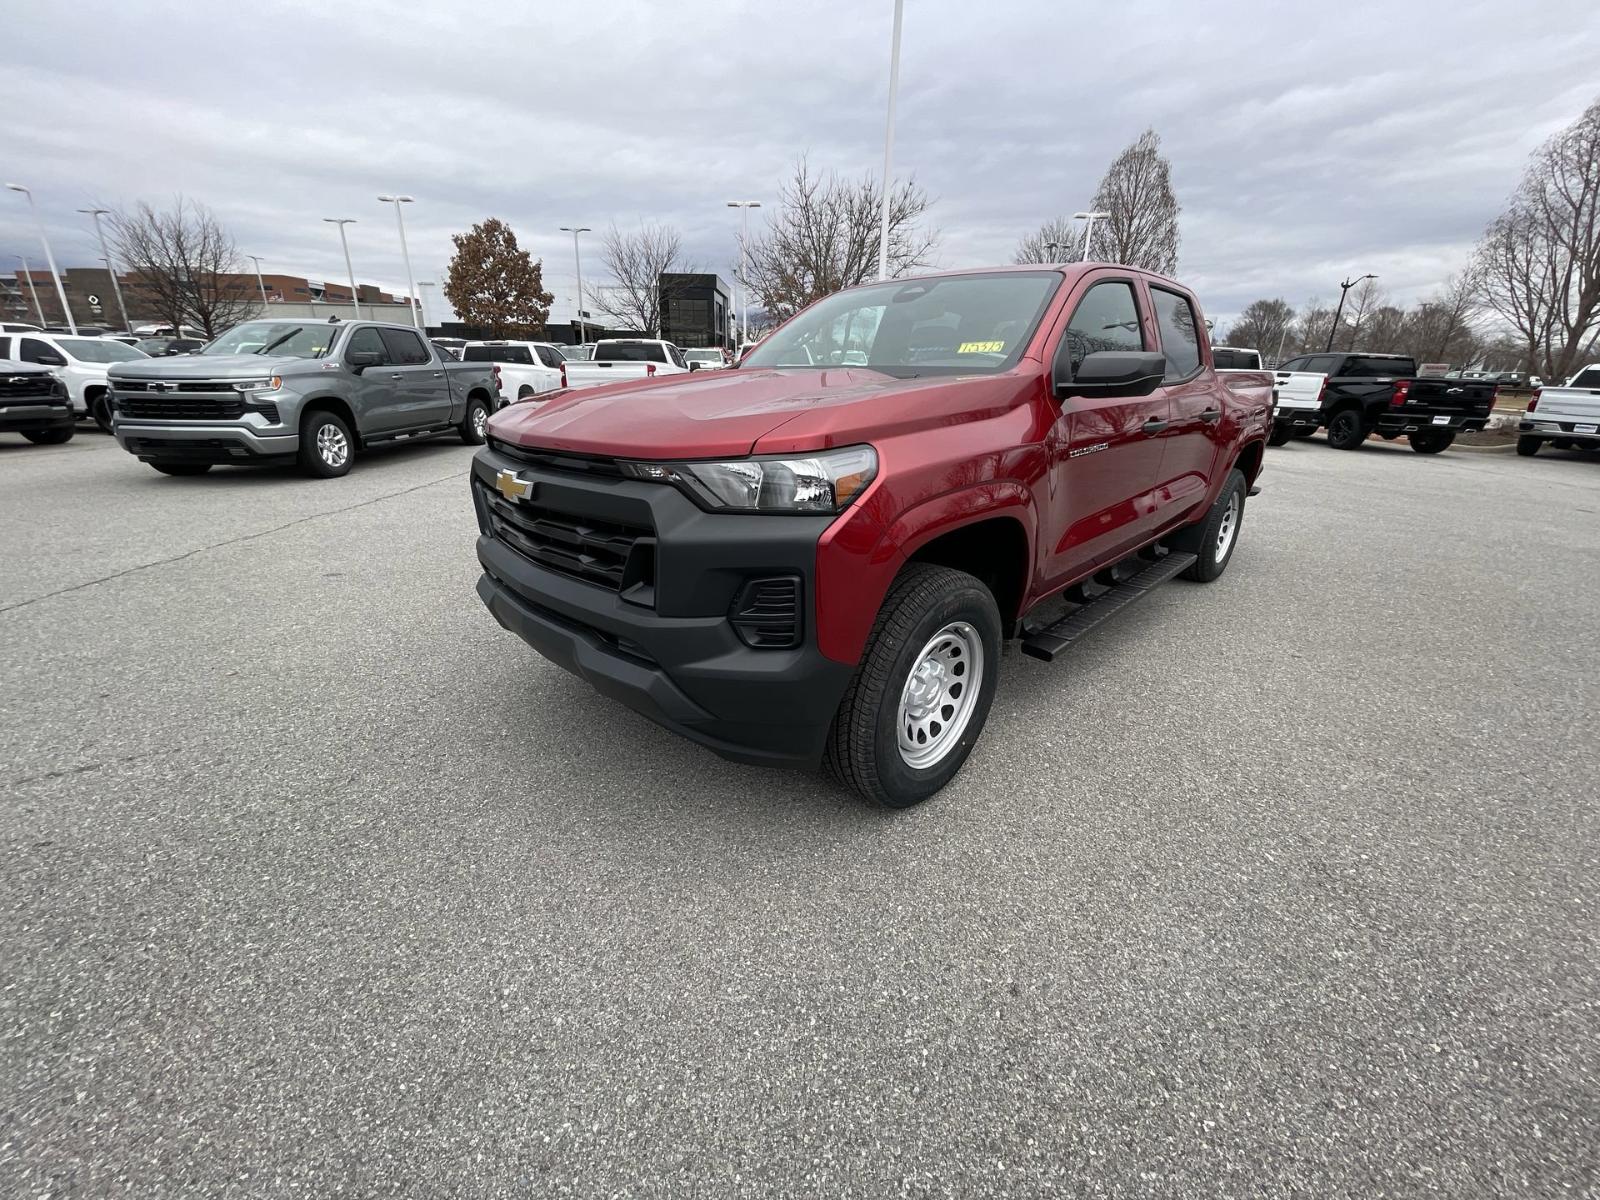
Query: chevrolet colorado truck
[
  {"x": 805, "y": 561},
  {"x": 286, "y": 390},
  {"x": 625, "y": 358},
  {"x": 1356, "y": 395},
  {"x": 34, "y": 403},
  {"x": 1566, "y": 417}
]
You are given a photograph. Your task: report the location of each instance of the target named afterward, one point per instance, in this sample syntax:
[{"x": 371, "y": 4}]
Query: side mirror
[
  {"x": 1109, "y": 373},
  {"x": 694, "y": 366},
  {"x": 360, "y": 360}
]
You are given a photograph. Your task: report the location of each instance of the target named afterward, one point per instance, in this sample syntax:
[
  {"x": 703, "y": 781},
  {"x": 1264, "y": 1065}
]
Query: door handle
[
  {"x": 1211, "y": 414},
  {"x": 438, "y": 374},
  {"x": 397, "y": 375},
  {"x": 1153, "y": 426}
]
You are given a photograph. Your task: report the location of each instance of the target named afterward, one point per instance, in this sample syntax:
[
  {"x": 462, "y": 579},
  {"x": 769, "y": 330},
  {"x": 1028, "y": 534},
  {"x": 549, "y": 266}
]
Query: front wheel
[
  {"x": 100, "y": 410},
  {"x": 1213, "y": 538},
  {"x": 474, "y": 427},
  {"x": 1346, "y": 431},
  {"x": 50, "y": 437},
  {"x": 326, "y": 446},
  {"x": 920, "y": 697},
  {"x": 168, "y": 467},
  {"x": 1528, "y": 446},
  {"x": 1431, "y": 441}
]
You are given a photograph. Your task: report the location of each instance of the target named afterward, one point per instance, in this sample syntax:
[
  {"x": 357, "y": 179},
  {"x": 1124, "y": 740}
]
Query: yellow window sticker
[{"x": 981, "y": 348}]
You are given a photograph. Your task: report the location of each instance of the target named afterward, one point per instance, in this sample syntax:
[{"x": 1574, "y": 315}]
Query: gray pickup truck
[{"x": 312, "y": 392}]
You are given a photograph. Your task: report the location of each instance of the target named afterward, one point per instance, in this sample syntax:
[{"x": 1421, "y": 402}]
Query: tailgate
[
  {"x": 1569, "y": 404},
  {"x": 1298, "y": 389},
  {"x": 1463, "y": 397}
]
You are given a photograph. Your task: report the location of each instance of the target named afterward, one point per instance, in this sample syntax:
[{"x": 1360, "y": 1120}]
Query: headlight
[
  {"x": 812, "y": 483},
  {"x": 258, "y": 385}
]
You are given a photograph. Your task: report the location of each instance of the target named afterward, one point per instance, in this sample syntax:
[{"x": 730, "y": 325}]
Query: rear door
[
  {"x": 421, "y": 390},
  {"x": 1105, "y": 451},
  {"x": 1194, "y": 436}
]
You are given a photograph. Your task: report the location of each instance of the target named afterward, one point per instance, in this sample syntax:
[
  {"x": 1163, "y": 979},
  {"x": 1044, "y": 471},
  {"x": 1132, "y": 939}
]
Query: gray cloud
[{"x": 1305, "y": 144}]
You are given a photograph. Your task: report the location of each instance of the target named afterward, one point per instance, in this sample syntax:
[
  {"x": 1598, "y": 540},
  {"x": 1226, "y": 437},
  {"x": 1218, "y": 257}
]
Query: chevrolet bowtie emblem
[{"x": 512, "y": 486}]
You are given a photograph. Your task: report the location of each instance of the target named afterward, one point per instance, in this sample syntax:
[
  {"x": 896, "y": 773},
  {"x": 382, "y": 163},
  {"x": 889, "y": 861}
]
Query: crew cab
[
  {"x": 34, "y": 403},
  {"x": 522, "y": 370},
  {"x": 625, "y": 358},
  {"x": 1566, "y": 417},
  {"x": 804, "y": 561},
  {"x": 81, "y": 363},
  {"x": 1356, "y": 394},
  {"x": 285, "y": 390}
]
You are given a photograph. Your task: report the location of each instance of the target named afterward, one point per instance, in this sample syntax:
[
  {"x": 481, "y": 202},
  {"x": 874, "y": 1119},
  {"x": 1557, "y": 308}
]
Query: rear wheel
[
  {"x": 1346, "y": 430},
  {"x": 168, "y": 467},
  {"x": 1431, "y": 441},
  {"x": 1279, "y": 436},
  {"x": 920, "y": 697},
  {"x": 474, "y": 427},
  {"x": 1213, "y": 538},
  {"x": 50, "y": 437},
  {"x": 1528, "y": 446},
  {"x": 326, "y": 446}
]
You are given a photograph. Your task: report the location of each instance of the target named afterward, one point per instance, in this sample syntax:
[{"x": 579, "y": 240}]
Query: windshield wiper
[{"x": 274, "y": 345}]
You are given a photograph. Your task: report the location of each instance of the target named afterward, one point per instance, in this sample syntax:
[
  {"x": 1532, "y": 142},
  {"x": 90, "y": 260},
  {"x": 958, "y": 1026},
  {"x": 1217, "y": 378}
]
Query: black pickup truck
[{"x": 1360, "y": 394}]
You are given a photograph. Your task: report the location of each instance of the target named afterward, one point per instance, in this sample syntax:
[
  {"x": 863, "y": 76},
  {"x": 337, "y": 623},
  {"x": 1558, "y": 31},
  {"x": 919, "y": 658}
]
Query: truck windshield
[
  {"x": 950, "y": 325},
  {"x": 292, "y": 339},
  {"x": 511, "y": 355},
  {"x": 1388, "y": 368},
  {"x": 99, "y": 350},
  {"x": 630, "y": 352},
  {"x": 1589, "y": 377},
  {"x": 1227, "y": 359}
]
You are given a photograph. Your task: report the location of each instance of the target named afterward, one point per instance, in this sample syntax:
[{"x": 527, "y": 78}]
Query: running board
[{"x": 1053, "y": 639}]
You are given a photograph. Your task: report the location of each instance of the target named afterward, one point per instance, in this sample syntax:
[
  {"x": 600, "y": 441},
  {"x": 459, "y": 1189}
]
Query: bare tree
[
  {"x": 1539, "y": 262},
  {"x": 1141, "y": 229},
  {"x": 1443, "y": 328},
  {"x": 185, "y": 265},
  {"x": 1369, "y": 295},
  {"x": 1263, "y": 325},
  {"x": 823, "y": 236},
  {"x": 1057, "y": 240},
  {"x": 637, "y": 261}
]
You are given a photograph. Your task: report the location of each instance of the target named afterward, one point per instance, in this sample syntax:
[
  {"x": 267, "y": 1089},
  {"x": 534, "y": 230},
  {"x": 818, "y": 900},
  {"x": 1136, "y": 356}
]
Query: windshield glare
[
  {"x": 292, "y": 339},
  {"x": 952, "y": 325},
  {"x": 99, "y": 350}
]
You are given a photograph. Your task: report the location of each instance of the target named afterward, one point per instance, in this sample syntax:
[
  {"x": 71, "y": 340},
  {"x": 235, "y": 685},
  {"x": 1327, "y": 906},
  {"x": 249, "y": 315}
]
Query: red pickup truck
[{"x": 817, "y": 556}]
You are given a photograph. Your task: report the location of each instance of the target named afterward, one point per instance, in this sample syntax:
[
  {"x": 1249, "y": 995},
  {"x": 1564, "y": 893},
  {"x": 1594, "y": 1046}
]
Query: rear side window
[
  {"x": 548, "y": 356},
  {"x": 1107, "y": 318},
  {"x": 1320, "y": 364},
  {"x": 405, "y": 347},
  {"x": 630, "y": 352},
  {"x": 1589, "y": 378},
  {"x": 1372, "y": 368},
  {"x": 1180, "y": 333},
  {"x": 366, "y": 341}
]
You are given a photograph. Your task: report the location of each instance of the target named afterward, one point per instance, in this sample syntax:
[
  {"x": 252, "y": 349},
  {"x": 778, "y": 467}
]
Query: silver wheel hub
[
  {"x": 332, "y": 445},
  {"x": 939, "y": 695},
  {"x": 1229, "y": 528},
  {"x": 480, "y": 421}
]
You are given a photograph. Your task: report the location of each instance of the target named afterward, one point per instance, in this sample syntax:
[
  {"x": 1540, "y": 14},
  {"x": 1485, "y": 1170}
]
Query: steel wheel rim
[
  {"x": 480, "y": 420},
  {"x": 1229, "y": 529},
  {"x": 332, "y": 445},
  {"x": 939, "y": 695}
]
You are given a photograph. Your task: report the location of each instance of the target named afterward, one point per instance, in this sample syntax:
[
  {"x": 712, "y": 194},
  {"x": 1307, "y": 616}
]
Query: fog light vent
[{"x": 766, "y": 613}]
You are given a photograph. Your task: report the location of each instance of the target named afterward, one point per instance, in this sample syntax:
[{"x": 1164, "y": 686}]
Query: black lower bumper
[
  {"x": 219, "y": 450},
  {"x": 18, "y": 417},
  {"x": 1300, "y": 419},
  {"x": 1395, "y": 423}
]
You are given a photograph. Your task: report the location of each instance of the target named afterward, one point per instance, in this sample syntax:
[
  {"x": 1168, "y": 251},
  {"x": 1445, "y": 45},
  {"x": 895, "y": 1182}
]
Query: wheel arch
[
  {"x": 338, "y": 406},
  {"x": 994, "y": 548}
]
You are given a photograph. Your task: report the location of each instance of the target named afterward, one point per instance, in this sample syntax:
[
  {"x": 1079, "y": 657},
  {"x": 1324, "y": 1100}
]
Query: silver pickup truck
[{"x": 312, "y": 392}]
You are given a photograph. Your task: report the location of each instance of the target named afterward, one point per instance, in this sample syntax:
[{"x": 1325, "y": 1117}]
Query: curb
[{"x": 1485, "y": 449}]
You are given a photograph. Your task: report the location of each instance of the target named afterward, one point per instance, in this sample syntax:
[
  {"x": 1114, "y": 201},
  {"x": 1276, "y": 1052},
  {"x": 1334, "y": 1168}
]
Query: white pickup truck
[
  {"x": 621, "y": 359},
  {"x": 1566, "y": 417},
  {"x": 522, "y": 370}
]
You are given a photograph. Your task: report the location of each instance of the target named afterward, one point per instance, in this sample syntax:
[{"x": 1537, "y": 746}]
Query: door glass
[
  {"x": 1180, "y": 337},
  {"x": 35, "y": 351},
  {"x": 366, "y": 340},
  {"x": 405, "y": 348},
  {"x": 1107, "y": 319}
]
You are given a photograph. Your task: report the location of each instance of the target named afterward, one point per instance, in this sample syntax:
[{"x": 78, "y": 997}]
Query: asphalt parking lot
[{"x": 315, "y": 882}]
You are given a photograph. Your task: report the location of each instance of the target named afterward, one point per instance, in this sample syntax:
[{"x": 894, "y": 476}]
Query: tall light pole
[
  {"x": 61, "y": 292},
  {"x": 399, "y": 220},
  {"x": 260, "y": 282},
  {"x": 96, "y": 214},
  {"x": 1088, "y": 230},
  {"x": 888, "y": 140},
  {"x": 341, "y": 222},
  {"x": 27, "y": 272},
  {"x": 422, "y": 308},
  {"x": 577, "y": 258},
  {"x": 742, "y": 301},
  {"x": 1344, "y": 290},
  {"x": 1055, "y": 249}
]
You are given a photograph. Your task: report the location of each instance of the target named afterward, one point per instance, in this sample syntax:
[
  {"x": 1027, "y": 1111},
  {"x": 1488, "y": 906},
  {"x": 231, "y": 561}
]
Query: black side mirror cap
[
  {"x": 359, "y": 360},
  {"x": 694, "y": 366},
  {"x": 1108, "y": 373}
]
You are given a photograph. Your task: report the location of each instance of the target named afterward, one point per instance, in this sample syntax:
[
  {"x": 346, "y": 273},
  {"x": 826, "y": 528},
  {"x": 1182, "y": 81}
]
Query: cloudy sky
[{"x": 1306, "y": 141}]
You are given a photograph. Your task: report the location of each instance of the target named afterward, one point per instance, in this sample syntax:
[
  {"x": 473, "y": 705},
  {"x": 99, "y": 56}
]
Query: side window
[
  {"x": 1321, "y": 364},
  {"x": 405, "y": 348},
  {"x": 1294, "y": 364},
  {"x": 548, "y": 356},
  {"x": 367, "y": 341},
  {"x": 5, "y": 346},
  {"x": 677, "y": 357},
  {"x": 1180, "y": 337},
  {"x": 1107, "y": 318},
  {"x": 35, "y": 351}
]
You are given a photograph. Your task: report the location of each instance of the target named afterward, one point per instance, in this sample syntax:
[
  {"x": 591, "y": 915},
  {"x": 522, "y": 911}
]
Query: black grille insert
[
  {"x": 170, "y": 407},
  {"x": 613, "y": 555},
  {"x": 572, "y": 464},
  {"x": 766, "y": 613},
  {"x": 27, "y": 387}
]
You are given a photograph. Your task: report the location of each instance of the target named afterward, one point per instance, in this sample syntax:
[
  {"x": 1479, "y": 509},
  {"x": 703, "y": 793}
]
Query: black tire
[
  {"x": 1528, "y": 446},
  {"x": 1279, "y": 436},
  {"x": 326, "y": 447},
  {"x": 1346, "y": 429},
  {"x": 51, "y": 437},
  {"x": 1205, "y": 538},
  {"x": 863, "y": 749},
  {"x": 100, "y": 410},
  {"x": 473, "y": 424},
  {"x": 168, "y": 467},
  {"x": 524, "y": 392},
  {"x": 1431, "y": 441}
]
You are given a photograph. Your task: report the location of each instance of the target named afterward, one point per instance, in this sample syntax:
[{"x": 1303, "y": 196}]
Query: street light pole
[
  {"x": 111, "y": 268},
  {"x": 341, "y": 222},
  {"x": 1344, "y": 289},
  {"x": 61, "y": 292},
  {"x": 888, "y": 140},
  {"x": 1088, "y": 229},
  {"x": 27, "y": 272},
  {"x": 742, "y": 300},
  {"x": 260, "y": 282},
  {"x": 397, "y": 201},
  {"x": 577, "y": 258},
  {"x": 1054, "y": 248}
]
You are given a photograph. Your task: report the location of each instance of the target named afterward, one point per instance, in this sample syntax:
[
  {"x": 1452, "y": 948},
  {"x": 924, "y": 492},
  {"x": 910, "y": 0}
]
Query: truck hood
[
  {"x": 708, "y": 414},
  {"x": 213, "y": 366}
]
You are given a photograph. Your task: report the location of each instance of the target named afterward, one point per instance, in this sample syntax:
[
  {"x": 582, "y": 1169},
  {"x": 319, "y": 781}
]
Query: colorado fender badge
[
  {"x": 512, "y": 486},
  {"x": 1080, "y": 451}
]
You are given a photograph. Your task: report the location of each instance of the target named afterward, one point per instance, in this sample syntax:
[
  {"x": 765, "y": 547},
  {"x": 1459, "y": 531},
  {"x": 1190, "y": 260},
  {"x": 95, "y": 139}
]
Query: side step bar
[{"x": 1053, "y": 639}]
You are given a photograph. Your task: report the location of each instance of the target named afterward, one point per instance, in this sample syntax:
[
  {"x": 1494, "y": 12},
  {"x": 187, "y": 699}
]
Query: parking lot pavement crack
[{"x": 233, "y": 541}]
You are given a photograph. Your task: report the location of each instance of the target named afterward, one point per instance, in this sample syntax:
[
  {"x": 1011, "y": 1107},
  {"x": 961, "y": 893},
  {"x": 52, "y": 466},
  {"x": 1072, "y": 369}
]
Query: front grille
[
  {"x": 766, "y": 613},
  {"x": 204, "y": 387},
  {"x": 26, "y": 387},
  {"x": 170, "y": 407},
  {"x": 550, "y": 460},
  {"x": 606, "y": 553}
]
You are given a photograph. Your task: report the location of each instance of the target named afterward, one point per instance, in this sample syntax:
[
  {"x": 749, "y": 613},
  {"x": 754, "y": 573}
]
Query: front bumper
[
  {"x": 671, "y": 653},
  {"x": 1395, "y": 421},
  {"x": 22, "y": 416},
  {"x": 202, "y": 442}
]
